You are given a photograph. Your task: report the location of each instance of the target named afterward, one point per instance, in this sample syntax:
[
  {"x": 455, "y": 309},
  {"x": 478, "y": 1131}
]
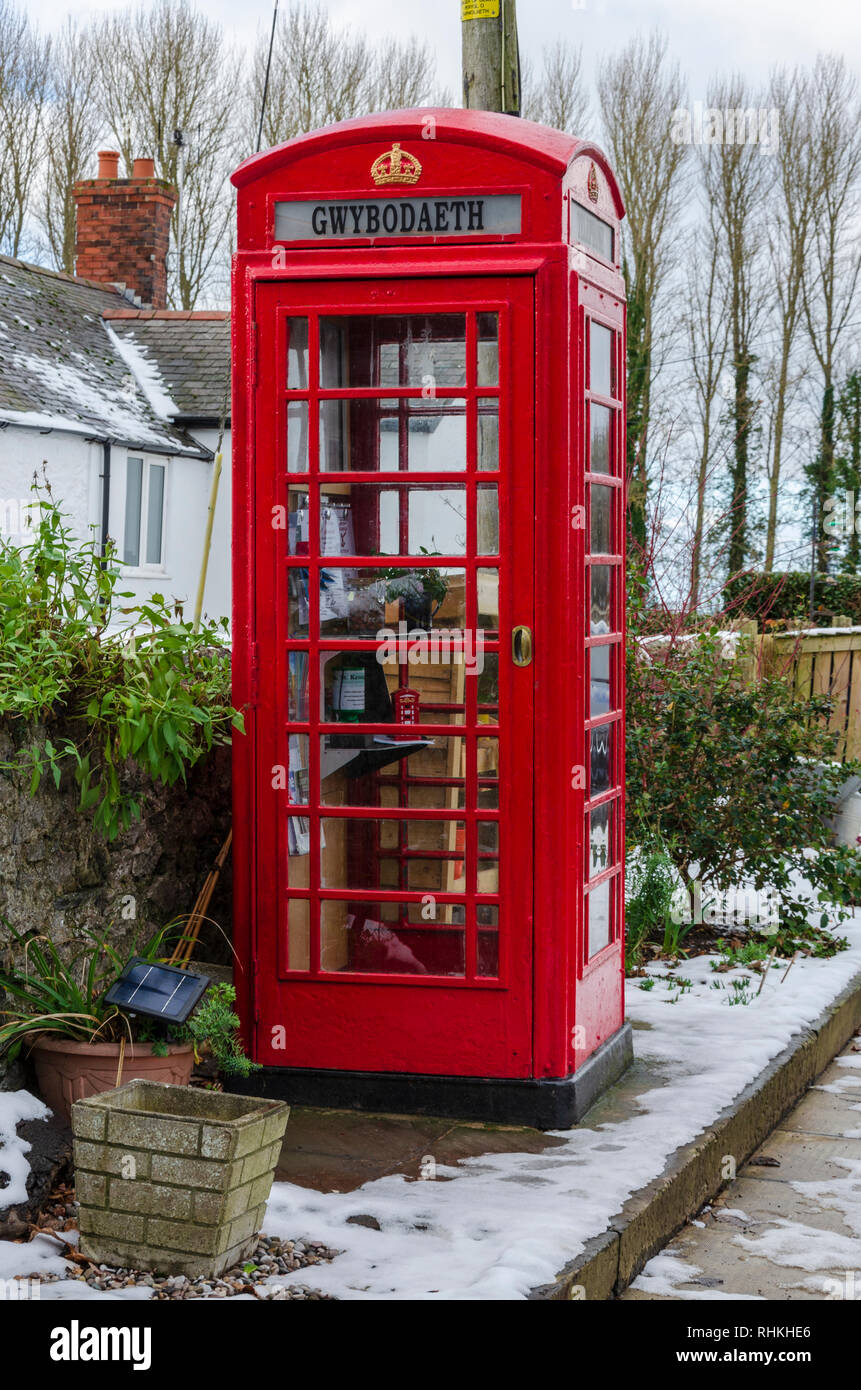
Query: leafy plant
[
  {"x": 215, "y": 1025},
  {"x": 651, "y": 886},
  {"x": 786, "y": 596},
  {"x": 416, "y": 585},
  {"x": 67, "y": 999},
  {"x": 95, "y": 687},
  {"x": 739, "y": 779}
]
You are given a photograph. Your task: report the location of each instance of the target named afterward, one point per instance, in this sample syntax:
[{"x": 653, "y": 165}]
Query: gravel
[{"x": 271, "y": 1258}]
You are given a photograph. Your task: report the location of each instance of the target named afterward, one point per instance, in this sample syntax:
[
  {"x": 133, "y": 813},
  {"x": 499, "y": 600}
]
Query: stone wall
[{"x": 60, "y": 877}]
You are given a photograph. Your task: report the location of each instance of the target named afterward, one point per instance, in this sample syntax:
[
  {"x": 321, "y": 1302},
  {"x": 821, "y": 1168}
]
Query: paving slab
[
  {"x": 339, "y": 1150},
  {"x": 789, "y": 1232}
]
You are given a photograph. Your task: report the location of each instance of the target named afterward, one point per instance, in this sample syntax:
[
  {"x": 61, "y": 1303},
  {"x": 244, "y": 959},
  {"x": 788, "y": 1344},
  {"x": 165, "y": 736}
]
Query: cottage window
[{"x": 143, "y": 534}]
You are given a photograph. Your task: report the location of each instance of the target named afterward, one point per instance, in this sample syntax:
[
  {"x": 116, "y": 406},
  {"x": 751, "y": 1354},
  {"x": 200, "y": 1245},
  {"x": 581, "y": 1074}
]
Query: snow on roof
[
  {"x": 145, "y": 371},
  {"x": 62, "y": 368},
  {"x": 189, "y": 353}
]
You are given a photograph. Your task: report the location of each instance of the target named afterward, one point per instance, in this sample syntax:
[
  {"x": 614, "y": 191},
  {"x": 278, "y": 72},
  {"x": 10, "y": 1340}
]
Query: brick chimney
[{"x": 123, "y": 228}]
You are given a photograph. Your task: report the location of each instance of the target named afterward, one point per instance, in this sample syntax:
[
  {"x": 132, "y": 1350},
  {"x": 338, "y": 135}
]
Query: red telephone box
[{"x": 428, "y": 416}]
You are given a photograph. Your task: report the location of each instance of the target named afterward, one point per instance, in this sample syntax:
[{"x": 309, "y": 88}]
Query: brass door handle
[{"x": 521, "y": 645}]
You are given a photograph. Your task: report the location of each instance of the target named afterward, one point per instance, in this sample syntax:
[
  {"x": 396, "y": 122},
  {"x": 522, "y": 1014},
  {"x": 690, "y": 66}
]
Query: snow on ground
[
  {"x": 495, "y": 1226},
  {"x": 665, "y": 1273},
  {"x": 503, "y": 1223},
  {"x": 16, "y": 1106}
]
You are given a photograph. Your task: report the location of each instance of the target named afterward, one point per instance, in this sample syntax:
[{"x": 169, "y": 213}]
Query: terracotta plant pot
[{"x": 68, "y": 1071}]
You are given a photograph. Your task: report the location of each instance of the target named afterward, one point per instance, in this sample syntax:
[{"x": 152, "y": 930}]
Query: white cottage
[{"x": 118, "y": 399}]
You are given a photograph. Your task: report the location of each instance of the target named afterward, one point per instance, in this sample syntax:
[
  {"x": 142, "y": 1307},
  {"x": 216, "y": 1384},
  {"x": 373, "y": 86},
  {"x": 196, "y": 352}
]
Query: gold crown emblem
[
  {"x": 396, "y": 166},
  {"x": 592, "y": 184}
]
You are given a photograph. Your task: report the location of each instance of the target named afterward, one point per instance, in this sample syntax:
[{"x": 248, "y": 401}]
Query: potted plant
[
  {"x": 421, "y": 591},
  {"x": 80, "y": 1045}
]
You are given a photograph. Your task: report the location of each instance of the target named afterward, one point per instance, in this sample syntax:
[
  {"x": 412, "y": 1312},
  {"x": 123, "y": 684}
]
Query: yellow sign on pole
[{"x": 479, "y": 9}]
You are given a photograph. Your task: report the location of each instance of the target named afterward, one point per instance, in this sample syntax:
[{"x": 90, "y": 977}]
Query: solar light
[{"x": 160, "y": 991}]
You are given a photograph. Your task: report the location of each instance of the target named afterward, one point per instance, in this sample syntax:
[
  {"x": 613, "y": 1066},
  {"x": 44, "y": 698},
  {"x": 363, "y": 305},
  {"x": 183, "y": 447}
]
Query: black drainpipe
[{"x": 106, "y": 493}]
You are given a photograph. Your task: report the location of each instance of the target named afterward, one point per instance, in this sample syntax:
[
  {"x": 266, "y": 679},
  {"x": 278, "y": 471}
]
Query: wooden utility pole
[{"x": 491, "y": 59}]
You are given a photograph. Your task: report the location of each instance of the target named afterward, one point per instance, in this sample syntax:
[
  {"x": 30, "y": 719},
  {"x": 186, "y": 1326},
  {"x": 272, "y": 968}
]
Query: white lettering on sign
[{"x": 491, "y": 215}]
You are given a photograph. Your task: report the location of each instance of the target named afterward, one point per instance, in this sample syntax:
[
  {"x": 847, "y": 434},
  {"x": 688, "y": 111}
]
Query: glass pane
[
  {"x": 600, "y": 848},
  {"x": 298, "y": 934},
  {"x": 600, "y": 360},
  {"x": 132, "y": 525},
  {"x": 487, "y": 519},
  {"x": 601, "y": 508},
  {"x": 488, "y": 599},
  {"x": 155, "y": 514},
  {"x": 298, "y": 791},
  {"x": 297, "y": 521},
  {"x": 598, "y": 906},
  {"x": 394, "y": 938},
  {"x": 297, "y": 437},
  {"x": 297, "y": 602},
  {"x": 599, "y": 681},
  {"x": 430, "y": 778},
  {"x": 487, "y": 769},
  {"x": 297, "y": 354},
  {"x": 297, "y": 675},
  {"x": 488, "y": 437},
  {"x": 487, "y": 669},
  {"x": 388, "y": 436},
  {"x": 600, "y": 580},
  {"x": 487, "y": 921},
  {"x": 488, "y": 349},
  {"x": 363, "y": 602},
  {"x": 376, "y": 350},
  {"x": 600, "y": 759},
  {"x": 398, "y": 519},
  {"x": 488, "y": 856},
  {"x": 426, "y": 856},
  {"x": 600, "y": 457}
]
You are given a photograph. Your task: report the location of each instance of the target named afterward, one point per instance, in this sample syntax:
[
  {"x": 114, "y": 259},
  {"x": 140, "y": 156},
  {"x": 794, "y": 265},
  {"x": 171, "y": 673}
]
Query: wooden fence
[{"x": 819, "y": 661}]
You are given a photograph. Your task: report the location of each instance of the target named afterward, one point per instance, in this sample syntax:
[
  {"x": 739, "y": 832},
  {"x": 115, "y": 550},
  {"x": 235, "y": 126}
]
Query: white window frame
[{"x": 148, "y": 462}]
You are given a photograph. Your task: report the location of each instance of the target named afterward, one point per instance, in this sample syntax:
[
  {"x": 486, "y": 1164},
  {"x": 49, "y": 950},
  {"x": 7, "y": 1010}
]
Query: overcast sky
[{"x": 705, "y": 35}]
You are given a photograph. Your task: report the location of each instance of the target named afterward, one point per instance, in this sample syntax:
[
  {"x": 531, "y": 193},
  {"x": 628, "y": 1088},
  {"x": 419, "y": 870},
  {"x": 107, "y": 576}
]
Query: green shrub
[
  {"x": 781, "y": 597},
  {"x": 738, "y": 782},
  {"x": 214, "y": 1023},
  {"x": 92, "y": 686}
]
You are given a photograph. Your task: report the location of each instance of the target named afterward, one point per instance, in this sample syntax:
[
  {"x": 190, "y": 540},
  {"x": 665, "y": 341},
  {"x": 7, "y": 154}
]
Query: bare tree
[
  {"x": 737, "y": 173},
  {"x": 24, "y": 78},
  {"x": 832, "y": 268},
  {"x": 319, "y": 75},
  {"x": 788, "y": 238},
  {"x": 557, "y": 96},
  {"x": 73, "y": 126},
  {"x": 638, "y": 92},
  {"x": 706, "y": 330},
  {"x": 168, "y": 84}
]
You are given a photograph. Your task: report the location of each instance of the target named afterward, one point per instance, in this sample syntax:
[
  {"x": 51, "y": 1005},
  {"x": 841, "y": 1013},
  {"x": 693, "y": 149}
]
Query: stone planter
[
  {"x": 174, "y": 1179},
  {"x": 67, "y": 1071}
]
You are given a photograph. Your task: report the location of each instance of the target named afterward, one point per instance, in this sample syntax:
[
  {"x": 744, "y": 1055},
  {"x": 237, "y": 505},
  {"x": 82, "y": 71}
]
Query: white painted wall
[{"x": 74, "y": 466}]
